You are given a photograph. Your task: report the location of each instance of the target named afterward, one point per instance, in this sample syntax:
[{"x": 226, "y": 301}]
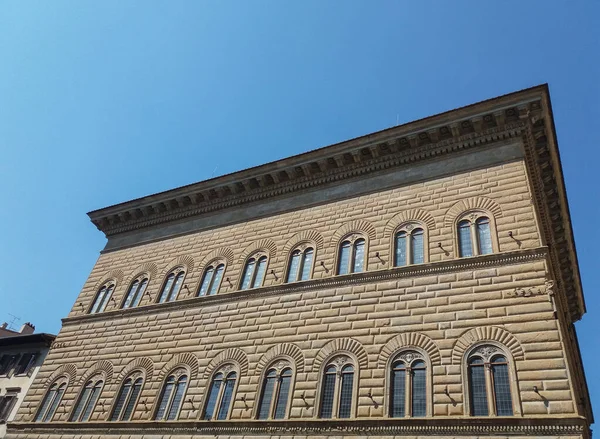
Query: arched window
[
  {"x": 128, "y": 398},
  {"x": 171, "y": 396},
  {"x": 489, "y": 382},
  {"x": 102, "y": 298},
  {"x": 408, "y": 386},
  {"x": 50, "y": 402},
  {"x": 351, "y": 258},
  {"x": 254, "y": 271},
  {"x": 172, "y": 285},
  {"x": 474, "y": 235},
  {"x": 87, "y": 400},
  {"x": 337, "y": 389},
  {"x": 136, "y": 292},
  {"x": 409, "y": 246},
  {"x": 301, "y": 263},
  {"x": 220, "y": 395},
  {"x": 211, "y": 281},
  {"x": 276, "y": 391}
]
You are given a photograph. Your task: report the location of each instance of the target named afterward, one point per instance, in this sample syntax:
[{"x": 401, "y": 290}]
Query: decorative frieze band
[{"x": 356, "y": 427}]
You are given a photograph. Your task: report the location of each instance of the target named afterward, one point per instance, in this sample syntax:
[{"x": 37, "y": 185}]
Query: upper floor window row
[{"x": 475, "y": 235}]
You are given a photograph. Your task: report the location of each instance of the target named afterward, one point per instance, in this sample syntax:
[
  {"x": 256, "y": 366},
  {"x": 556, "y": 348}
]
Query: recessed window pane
[
  {"x": 484, "y": 237},
  {"x": 502, "y": 394},
  {"x": 261, "y": 268},
  {"x": 123, "y": 394},
  {"x": 344, "y": 260},
  {"x": 284, "y": 392},
  {"x": 55, "y": 401},
  {"x": 267, "y": 395},
  {"x": 216, "y": 281},
  {"x": 137, "y": 388},
  {"x": 419, "y": 389},
  {"x": 212, "y": 397},
  {"x": 306, "y": 264},
  {"x": 83, "y": 398},
  {"x": 478, "y": 392},
  {"x": 140, "y": 293},
  {"x": 46, "y": 403},
  {"x": 465, "y": 247},
  {"x": 400, "y": 256},
  {"x": 328, "y": 390},
  {"x": 248, "y": 273},
  {"x": 165, "y": 397},
  {"x": 398, "y": 391},
  {"x": 91, "y": 403},
  {"x": 178, "y": 398},
  {"x": 131, "y": 294},
  {"x": 346, "y": 392},
  {"x": 166, "y": 288},
  {"x": 359, "y": 256},
  {"x": 227, "y": 396},
  {"x": 208, "y": 275},
  {"x": 292, "y": 275},
  {"x": 417, "y": 250},
  {"x": 176, "y": 287}
]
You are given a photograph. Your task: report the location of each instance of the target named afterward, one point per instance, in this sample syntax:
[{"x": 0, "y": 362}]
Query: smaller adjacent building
[{"x": 21, "y": 356}]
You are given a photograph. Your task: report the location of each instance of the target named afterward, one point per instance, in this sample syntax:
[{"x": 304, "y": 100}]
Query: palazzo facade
[{"x": 417, "y": 281}]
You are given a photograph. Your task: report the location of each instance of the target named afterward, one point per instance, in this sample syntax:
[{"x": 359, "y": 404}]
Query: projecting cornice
[{"x": 525, "y": 116}]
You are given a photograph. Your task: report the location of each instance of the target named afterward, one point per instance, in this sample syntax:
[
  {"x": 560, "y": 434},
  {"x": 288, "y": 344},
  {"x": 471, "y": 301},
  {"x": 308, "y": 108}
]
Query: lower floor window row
[{"x": 489, "y": 390}]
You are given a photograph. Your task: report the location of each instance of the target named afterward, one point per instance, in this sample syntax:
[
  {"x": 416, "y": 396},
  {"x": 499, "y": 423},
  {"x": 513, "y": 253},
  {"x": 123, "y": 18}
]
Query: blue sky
[{"x": 101, "y": 102}]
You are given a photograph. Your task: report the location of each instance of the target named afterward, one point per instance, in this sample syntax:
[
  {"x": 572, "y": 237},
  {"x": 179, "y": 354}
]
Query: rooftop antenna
[
  {"x": 11, "y": 324},
  {"x": 213, "y": 172},
  {"x": 397, "y": 119}
]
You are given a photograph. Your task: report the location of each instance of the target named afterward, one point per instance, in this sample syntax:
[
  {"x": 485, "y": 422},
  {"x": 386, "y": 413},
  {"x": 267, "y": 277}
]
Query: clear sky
[{"x": 102, "y": 102}]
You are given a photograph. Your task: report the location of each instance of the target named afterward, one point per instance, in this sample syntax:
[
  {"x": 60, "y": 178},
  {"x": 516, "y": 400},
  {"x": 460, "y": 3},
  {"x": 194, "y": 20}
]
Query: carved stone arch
[
  {"x": 185, "y": 261},
  {"x": 144, "y": 364},
  {"x": 102, "y": 367},
  {"x": 342, "y": 344},
  {"x": 220, "y": 253},
  {"x": 148, "y": 267},
  {"x": 305, "y": 236},
  {"x": 469, "y": 204},
  {"x": 228, "y": 355},
  {"x": 408, "y": 340},
  {"x": 358, "y": 226},
  {"x": 416, "y": 215},
  {"x": 114, "y": 275},
  {"x": 185, "y": 360},
  {"x": 68, "y": 370},
  {"x": 483, "y": 334},
  {"x": 267, "y": 245},
  {"x": 284, "y": 349}
]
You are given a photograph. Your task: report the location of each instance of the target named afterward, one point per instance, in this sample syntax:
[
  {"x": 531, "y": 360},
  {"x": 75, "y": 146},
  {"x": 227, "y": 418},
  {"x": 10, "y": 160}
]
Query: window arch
[
  {"x": 276, "y": 391},
  {"x": 212, "y": 278},
  {"x": 408, "y": 385},
  {"x": 338, "y": 388},
  {"x": 351, "y": 255},
  {"x": 51, "y": 401},
  {"x": 88, "y": 398},
  {"x": 102, "y": 298},
  {"x": 474, "y": 234},
  {"x": 254, "y": 271},
  {"x": 172, "y": 285},
  {"x": 489, "y": 381},
  {"x": 221, "y": 394},
  {"x": 300, "y": 265},
  {"x": 410, "y": 245},
  {"x": 172, "y": 396},
  {"x": 136, "y": 292},
  {"x": 127, "y": 399}
]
